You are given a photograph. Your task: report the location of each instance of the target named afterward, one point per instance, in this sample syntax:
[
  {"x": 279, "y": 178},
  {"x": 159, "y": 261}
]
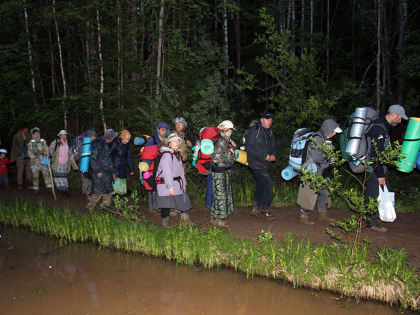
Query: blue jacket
[
  {"x": 260, "y": 143},
  {"x": 121, "y": 158}
]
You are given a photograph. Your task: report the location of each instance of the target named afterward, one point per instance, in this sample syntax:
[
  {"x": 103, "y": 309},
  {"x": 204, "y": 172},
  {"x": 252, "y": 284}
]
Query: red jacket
[{"x": 3, "y": 165}]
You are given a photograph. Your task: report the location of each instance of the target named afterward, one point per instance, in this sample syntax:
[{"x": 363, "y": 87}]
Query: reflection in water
[{"x": 37, "y": 276}]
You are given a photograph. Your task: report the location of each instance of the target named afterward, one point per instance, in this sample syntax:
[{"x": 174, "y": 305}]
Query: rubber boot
[
  {"x": 304, "y": 219},
  {"x": 184, "y": 217},
  {"x": 165, "y": 222},
  {"x": 267, "y": 213},
  {"x": 174, "y": 213},
  {"x": 254, "y": 211},
  {"x": 322, "y": 217}
]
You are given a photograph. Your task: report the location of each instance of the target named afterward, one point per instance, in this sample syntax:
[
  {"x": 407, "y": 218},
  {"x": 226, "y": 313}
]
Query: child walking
[{"x": 4, "y": 162}]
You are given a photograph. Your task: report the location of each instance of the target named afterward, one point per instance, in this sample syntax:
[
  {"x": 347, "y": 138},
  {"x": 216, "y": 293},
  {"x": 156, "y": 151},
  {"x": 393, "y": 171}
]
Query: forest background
[{"x": 78, "y": 64}]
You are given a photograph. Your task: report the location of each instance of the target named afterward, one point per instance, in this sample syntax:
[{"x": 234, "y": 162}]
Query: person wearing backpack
[
  {"x": 61, "y": 161},
  {"x": 315, "y": 156},
  {"x": 102, "y": 169},
  {"x": 222, "y": 161},
  {"x": 148, "y": 155},
  {"x": 261, "y": 149},
  {"x": 19, "y": 154},
  {"x": 180, "y": 129},
  {"x": 170, "y": 180},
  {"x": 377, "y": 174}
]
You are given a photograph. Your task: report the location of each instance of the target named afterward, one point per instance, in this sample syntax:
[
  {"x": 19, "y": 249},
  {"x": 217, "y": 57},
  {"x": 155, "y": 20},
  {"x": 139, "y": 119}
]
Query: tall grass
[{"x": 339, "y": 268}]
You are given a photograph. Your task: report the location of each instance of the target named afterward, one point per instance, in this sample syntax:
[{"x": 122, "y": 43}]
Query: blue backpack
[{"x": 299, "y": 147}]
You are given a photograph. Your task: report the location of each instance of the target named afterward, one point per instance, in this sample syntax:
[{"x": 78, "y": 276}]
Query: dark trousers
[
  {"x": 165, "y": 212},
  {"x": 209, "y": 191},
  {"x": 263, "y": 188},
  {"x": 372, "y": 191}
]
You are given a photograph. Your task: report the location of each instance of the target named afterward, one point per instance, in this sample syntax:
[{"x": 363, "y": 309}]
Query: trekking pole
[{"x": 52, "y": 179}]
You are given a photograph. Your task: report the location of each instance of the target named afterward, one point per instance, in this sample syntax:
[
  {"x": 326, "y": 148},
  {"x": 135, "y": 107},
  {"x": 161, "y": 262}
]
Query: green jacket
[
  {"x": 19, "y": 149},
  {"x": 36, "y": 150}
]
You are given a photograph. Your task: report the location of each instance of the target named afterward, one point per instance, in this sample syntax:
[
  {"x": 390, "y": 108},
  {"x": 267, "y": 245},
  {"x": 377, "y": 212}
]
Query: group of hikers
[{"x": 162, "y": 166}]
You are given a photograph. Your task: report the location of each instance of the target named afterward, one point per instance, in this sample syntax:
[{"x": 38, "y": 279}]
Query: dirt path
[{"x": 403, "y": 233}]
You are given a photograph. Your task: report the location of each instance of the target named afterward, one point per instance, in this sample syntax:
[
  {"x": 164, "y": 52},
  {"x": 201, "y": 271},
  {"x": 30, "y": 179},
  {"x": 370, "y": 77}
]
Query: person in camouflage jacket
[
  {"x": 222, "y": 161},
  {"x": 37, "y": 149}
]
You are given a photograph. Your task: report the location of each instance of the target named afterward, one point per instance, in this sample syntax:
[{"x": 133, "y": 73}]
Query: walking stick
[{"x": 52, "y": 179}]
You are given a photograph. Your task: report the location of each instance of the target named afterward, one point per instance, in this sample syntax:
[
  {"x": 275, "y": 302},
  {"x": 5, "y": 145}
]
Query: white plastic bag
[{"x": 386, "y": 206}]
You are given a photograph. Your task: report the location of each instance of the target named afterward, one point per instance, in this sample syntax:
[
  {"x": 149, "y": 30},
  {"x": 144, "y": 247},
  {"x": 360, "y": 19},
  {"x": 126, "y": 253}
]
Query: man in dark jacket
[
  {"x": 377, "y": 174},
  {"x": 121, "y": 158},
  {"x": 317, "y": 161},
  {"x": 261, "y": 150},
  {"x": 103, "y": 171},
  {"x": 19, "y": 154}
]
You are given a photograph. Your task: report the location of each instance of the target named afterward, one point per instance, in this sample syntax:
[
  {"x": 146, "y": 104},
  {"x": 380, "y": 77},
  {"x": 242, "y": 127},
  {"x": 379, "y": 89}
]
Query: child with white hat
[{"x": 4, "y": 162}]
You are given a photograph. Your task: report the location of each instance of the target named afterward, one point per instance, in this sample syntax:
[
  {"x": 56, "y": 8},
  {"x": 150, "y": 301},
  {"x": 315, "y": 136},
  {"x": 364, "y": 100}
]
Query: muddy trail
[
  {"x": 404, "y": 232},
  {"x": 40, "y": 276}
]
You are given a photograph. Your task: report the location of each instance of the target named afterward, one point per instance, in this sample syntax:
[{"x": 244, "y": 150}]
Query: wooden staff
[{"x": 52, "y": 179}]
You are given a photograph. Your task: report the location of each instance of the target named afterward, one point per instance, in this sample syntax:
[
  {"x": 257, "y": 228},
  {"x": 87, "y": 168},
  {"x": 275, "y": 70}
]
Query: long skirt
[
  {"x": 61, "y": 177},
  {"x": 178, "y": 202},
  {"x": 222, "y": 205}
]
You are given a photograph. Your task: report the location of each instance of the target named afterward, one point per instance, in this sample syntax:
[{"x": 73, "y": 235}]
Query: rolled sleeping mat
[
  {"x": 410, "y": 146},
  {"x": 196, "y": 149},
  {"x": 288, "y": 173},
  {"x": 207, "y": 146},
  {"x": 139, "y": 140},
  {"x": 241, "y": 157},
  {"x": 85, "y": 155},
  {"x": 356, "y": 131},
  {"x": 418, "y": 161}
]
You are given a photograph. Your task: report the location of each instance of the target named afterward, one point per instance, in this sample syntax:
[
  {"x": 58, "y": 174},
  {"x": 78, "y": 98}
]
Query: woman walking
[
  {"x": 61, "y": 162},
  {"x": 170, "y": 180},
  {"x": 222, "y": 160},
  {"x": 121, "y": 158}
]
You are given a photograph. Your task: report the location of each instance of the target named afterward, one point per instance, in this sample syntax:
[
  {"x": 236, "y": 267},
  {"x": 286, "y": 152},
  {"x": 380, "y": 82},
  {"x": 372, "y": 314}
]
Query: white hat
[
  {"x": 62, "y": 132},
  {"x": 338, "y": 130},
  {"x": 3, "y": 151},
  {"x": 226, "y": 124}
]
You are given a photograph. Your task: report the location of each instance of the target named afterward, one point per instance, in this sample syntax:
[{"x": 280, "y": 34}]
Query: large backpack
[
  {"x": 203, "y": 163},
  {"x": 356, "y": 161},
  {"x": 299, "y": 147},
  {"x": 150, "y": 154},
  {"x": 252, "y": 124}
]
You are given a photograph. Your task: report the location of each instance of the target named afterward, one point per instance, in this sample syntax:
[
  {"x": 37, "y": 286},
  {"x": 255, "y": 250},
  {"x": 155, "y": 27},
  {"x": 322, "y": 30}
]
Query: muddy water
[{"x": 38, "y": 276}]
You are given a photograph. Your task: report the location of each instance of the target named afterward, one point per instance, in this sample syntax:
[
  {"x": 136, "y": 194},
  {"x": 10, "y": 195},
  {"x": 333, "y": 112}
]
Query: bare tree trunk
[
  {"x": 289, "y": 15},
  {"x": 302, "y": 23},
  {"x": 101, "y": 66},
  {"x": 403, "y": 9},
  {"x": 215, "y": 16},
  {"x": 52, "y": 65},
  {"x": 238, "y": 36},
  {"x": 353, "y": 39},
  {"x": 225, "y": 42},
  {"x": 159, "y": 49},
  {"x": 133, "y": 36},
  {"x": 312, "y": 21},
  {"x": 28, "y": 41},
  {"x": 120, "y": 75},
  {"x": 63, "y": 76},
  {"x": 293, "y": 26},
  {"x": 328, "y": 40},
  {"x": 143, "y": 31},
  {"x": 378, "y": 55}
]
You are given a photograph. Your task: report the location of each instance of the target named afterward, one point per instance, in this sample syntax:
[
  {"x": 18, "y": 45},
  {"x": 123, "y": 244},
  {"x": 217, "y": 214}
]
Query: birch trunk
[
  {"x": 159, "y": 49},
  {"x": 403, "y": 9},
  {"x": 120, "y": 65},
  {"x": 238, "y": 36},
  {"x": 225, "y": 42},
  {"x": 52, "y": 65},
  {"x": 63, "y": 76},
  {"x": 28, "y": 41},
  {"x": 302, "y": 22},
  {"x": 378, "y": 55},
  {"x": 328, "y": 39},
  {"x": 101, "y": 66}
]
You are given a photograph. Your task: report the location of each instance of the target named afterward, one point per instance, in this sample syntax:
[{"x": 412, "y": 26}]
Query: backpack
[
  {"x": 76, "y": 149},
  {"x": 151, "y": 155},
  {"x": 253, "y": 123},
  {"x": 150, "y": 183},
  {"x": 354, "y": 138},
  {"x": 203, "y": 162},
  {"x": 299, "y": 147}
]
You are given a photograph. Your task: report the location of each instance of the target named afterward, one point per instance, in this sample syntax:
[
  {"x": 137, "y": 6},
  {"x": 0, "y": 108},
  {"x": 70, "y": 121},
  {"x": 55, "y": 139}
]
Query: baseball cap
[
  {"x": 338, "y": 130},
  {"x": 227, "y": 124},
  {"x": 3, "y": 151},
  {"x": 62, "y": 132},
  {"x": 398, "y": 109},
  {"x": 267, "y": 115}
]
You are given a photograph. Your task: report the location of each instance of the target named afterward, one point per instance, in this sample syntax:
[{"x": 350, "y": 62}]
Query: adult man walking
[
  {"x": 19, "y": 154},
  {"x": 377, "y": 173},
  {"x": 261, "y": 150}
]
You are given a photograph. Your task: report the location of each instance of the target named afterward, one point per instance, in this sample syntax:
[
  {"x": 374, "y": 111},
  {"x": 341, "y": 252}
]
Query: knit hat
[
  {"x": 180, "y": 120},
  {"x": 110, "y": 134},
  {"x": 62, "y": 132},
  {"x": 90, "y": 133},
  {"x": 162, "y": 125},
  {"x": 125, "y": 134}
]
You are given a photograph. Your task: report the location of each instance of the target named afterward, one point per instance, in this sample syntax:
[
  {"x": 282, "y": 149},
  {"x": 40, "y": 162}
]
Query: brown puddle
[{"x": 37, "y": 276}]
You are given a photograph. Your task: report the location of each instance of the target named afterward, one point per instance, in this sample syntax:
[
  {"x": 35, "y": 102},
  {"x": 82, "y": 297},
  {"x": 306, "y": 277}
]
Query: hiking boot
[
  {"x": 165, "y": 222},
  {"x": 304, "y": 219},
  {"x": 174, "y": 213},
  {"x": 267, "y": 213},
  {"x": 378, "y": 228},
  {"x": 185, "y": 217},
  {"x": 322, "y": 217},
  {"x": 254, "y": 211},
  {"x": 213, "y": 221},
  {"x": 222, "y": 223}
]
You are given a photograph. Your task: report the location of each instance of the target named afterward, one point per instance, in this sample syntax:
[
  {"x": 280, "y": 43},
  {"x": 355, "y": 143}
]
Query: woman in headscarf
[
  {"x": 170, "y": 180},
  {"x": 62, "y": 161},
  {"x": 121, "y": 158}
]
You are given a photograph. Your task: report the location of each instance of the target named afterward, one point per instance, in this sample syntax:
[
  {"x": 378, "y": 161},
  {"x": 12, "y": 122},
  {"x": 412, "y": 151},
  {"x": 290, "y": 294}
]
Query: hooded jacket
[
  {"x": 260, "y": 143},
  {"x": 171, "y": 170},
  {"x": 315, "y": 153},
  {"x": 121, "y": 158}
]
